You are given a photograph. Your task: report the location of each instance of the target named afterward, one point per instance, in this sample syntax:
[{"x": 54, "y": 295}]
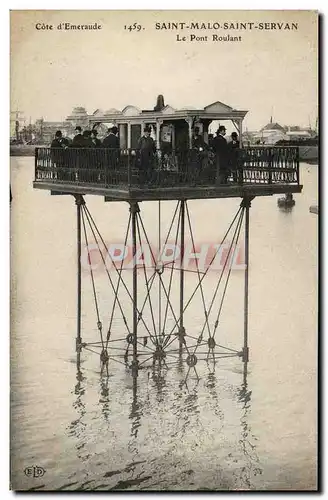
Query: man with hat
[
  {"x": 95, "y": 141},
  {"x": 198, "y": 142},
  {"x": 198, "y": 156},
  {"x": 233, "y": 155},
  {"x": 78, "y": 138},
  {"x": 58, "y": 155},
  {"x": 111, "y": 141},
  {"x": 220, "y": 149},
  {"x": 112, "y": 154},
  {"x": 146, "y": 151},
  {"x": 59, "y": 141}
]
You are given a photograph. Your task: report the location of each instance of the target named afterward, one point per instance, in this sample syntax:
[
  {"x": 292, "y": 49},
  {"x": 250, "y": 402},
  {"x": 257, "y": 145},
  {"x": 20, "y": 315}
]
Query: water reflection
[
  {"x": 136, "y": 409},
  {"x": 186, "y": 408},
  {"x": 247, "y": 442},
  {"x": 211, "y": 385},
  {"x": 77, "y": 427},
  {"x": 159, "y": 379},
  {"x": 104, "y": 400}
]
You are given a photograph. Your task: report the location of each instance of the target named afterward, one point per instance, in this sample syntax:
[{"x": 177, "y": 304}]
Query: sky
[{"x": 269, "y": 72}]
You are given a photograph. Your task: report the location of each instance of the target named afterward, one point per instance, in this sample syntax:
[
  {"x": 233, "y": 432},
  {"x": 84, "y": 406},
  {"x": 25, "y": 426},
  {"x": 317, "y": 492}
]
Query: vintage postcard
[{"x": 164, "y": 250}]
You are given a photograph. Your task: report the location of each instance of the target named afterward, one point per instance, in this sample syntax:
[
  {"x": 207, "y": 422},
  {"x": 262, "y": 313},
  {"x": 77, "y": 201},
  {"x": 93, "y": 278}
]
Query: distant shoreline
[{"x": 22, "y": 150}]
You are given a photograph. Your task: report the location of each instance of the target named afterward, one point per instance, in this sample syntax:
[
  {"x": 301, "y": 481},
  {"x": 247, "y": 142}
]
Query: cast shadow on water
[{"x": 182, "y": 404}]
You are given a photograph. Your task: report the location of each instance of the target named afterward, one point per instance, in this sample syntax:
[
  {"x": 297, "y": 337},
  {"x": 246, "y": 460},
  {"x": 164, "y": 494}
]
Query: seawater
[{"x": 96, "y": 433}]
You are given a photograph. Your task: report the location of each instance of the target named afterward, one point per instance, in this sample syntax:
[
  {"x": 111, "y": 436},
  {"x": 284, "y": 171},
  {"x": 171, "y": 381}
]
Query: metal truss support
[
  {"x": 169, "y": 346},
  {"x": 79, "y": 201},
  {"x": 246, "y": 203},
  {"x": 182, "y": 330},
  {"x": 134, "y": 209}
]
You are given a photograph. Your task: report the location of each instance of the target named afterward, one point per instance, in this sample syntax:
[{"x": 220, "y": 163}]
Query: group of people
[
  {"x": 218, "y": 158},
  {"x": 87, "y": 139},
  {"x": 225, "y": 154},
  {"x": 67, "y": 153}
]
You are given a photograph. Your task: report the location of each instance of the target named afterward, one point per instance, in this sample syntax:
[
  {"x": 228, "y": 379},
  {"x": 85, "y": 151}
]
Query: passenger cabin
[
  {"x": 177, "y": 169},
  {"x": 171, "y": 128}
]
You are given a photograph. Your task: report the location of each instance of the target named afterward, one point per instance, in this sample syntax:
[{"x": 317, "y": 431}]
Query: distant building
[
  {"x": 45, "y": 130},
  {"x": 270, "y": 134},
  {"x": 298, "y": 133},
  {"x": 273, "y": 126},
  {"x": 79, "y": 116}
]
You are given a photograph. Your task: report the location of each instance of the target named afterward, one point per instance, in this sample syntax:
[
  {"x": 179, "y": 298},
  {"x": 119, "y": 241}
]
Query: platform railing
[
  {"x": 189, "y": 167},
  {"x": 268, "y": 165}
]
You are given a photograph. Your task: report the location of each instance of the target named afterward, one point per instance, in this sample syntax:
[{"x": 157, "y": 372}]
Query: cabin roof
[{"x": 216, "y": 110}]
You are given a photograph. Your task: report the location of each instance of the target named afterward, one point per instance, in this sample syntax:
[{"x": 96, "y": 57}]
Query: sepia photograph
[{"x": 164, "y": 225}]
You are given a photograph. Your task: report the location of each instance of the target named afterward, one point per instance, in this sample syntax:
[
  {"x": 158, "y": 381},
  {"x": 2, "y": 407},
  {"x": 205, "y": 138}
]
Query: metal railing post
[
  {"x": 129, "y": 167},
  {"x": 298, "y": 164},
  {"x": 36, "y": 154},
  {"x": 270, "y": 165}
]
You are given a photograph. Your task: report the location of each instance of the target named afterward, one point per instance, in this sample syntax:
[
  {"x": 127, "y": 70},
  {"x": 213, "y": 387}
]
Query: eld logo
[{"x": 34, "y": 471}]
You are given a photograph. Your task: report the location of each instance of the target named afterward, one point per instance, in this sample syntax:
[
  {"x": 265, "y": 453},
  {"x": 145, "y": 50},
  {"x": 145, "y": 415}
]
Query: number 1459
[{"x": 133, "y": 27}]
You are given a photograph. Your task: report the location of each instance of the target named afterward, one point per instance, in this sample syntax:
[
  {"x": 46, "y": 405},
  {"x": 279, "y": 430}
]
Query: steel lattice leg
[
  {"x": 182, "y": 330},
  {"x": 134, "y": 209},
  {"x": 246, "y": 203},
  {"x": 79, "y": 201}
]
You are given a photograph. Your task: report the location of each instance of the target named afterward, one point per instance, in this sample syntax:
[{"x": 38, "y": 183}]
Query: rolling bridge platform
[
  {"x": 118, "y": 176},
  {"x": 151, "y": 326},
  {"x": 262, "y": 171}
]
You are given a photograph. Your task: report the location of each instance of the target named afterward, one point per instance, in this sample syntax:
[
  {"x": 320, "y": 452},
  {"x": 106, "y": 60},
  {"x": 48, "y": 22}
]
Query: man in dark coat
[
  {"x": 98, "y": 156},
  {"x": 59, "y": 141},
  {"x": 81, "y": 158},
  {"x": 78, "y": 138},
  {"x": 198, "y": 141},
  {"x": 233, "y": 157},
  {"x": 111, "y": 141},
  {"x": 198, "y": 157},
  {"x": 86, "y": 139},
  {"x": 220, "y": 149},
  {"x": 146, "y": 152},
  {"x": 95, "y": 141},
  {"x": 112, "y": 154},
  {"x": 58, "y": 155}
]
